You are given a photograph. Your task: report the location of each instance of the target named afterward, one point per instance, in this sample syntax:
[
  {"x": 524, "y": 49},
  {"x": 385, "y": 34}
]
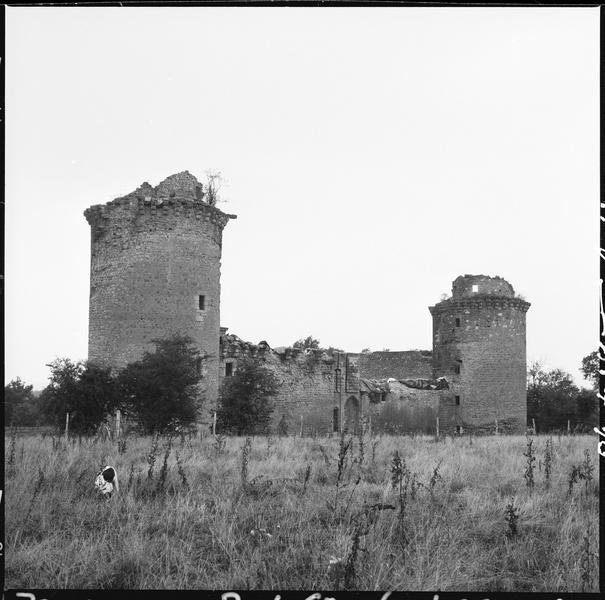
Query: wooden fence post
[
  {"x": 496, "y": 426},
  {"x": 533, "y": 422},
  {"x": 437, "y": 427},
  {"x": 568, "y": 427},
  {"x": 66, "y": 425},
  {"x": 118, "y": 417},
  {"x": 301, "y": 425},
  {"x": 214, "y": 423}
]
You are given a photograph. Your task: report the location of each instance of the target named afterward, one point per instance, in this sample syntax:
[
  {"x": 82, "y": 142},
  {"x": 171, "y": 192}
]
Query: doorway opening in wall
[
  {"x": 336, "y": 420},
  {"x": 201, "y": 302},
  {"x": 351, "y": 418},
  {"x": 458, "y": 429},
  {"x": 228, "y": 369}
]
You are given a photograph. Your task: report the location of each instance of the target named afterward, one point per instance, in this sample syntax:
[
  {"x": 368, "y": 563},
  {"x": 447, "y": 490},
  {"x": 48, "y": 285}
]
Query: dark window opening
[
  {"x": 335, "y": 423},
  {"x": 337, "y": 380},
  {"x": 457, "y": 369},
  {"x": 202, "y": 302},
  {"x": 228, "y": 369},
  {"x": 458, "y": 429},
  {"x": 457, "y": 400},
  {"x": 457, "y": 322}
]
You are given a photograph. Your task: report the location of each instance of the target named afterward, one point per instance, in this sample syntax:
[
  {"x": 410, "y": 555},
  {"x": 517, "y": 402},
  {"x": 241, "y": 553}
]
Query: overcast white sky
[{"x": 372, "y": 155}]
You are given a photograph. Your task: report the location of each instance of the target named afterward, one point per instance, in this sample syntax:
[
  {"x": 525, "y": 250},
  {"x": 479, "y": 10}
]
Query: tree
[
  {"x": 587, "y": 409},
  {"x": 245, "y": 404},
  {"x": 553, "y": 399},
  {"x": 86, "y": 391},
  {"x": 590, "y": 368},
  {"x": 308, "y": 343},
  {"x": 161, "y": 390},
  {"x": 311, "y": 343},
  {"x": 20, "y": 404}
]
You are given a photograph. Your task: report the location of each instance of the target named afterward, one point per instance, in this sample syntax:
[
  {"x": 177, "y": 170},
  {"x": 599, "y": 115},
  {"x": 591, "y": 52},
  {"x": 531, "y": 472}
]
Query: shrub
[
  {"x": 245, "y": 405},
  {"x": 21, "y": 407},
  {"x": 161, "y": 390},
  {"x": 86, "y": 391}
]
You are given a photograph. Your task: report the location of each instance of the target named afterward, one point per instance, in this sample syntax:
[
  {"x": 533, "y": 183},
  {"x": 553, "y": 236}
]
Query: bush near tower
[
  {"x": 160, "y": 391},
  {"x": 245, "y": 404},
  {"x": 21, "y": 406},
  {"x": 86, "y": 391}
]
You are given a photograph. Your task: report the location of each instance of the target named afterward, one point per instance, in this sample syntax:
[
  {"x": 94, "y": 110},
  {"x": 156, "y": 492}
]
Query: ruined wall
[
  {"x": 154, "y": 252},
  {"x": 399, "y": 365},
  {"x": 314, "y": 383},
  {"x": 406, "y": 410},
  {"x": 306, "y": 380},
  {"x": 479, "y": 345}
]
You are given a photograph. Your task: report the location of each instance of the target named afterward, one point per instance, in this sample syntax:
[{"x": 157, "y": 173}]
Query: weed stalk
[
  {"x": 151, "y": 457},
  {"x": 511, "y": 515},
  {"x": 529, "y": 468}
]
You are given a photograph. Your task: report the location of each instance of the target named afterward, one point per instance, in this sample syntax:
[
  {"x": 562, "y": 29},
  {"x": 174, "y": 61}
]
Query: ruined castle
[{"x": 155, "y": 271}]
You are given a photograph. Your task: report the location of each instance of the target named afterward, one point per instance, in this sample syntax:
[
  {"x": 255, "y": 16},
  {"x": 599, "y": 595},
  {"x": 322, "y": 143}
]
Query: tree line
[
  {"x": 554, "y": 402},
  {"x": 161, "y": 393}
]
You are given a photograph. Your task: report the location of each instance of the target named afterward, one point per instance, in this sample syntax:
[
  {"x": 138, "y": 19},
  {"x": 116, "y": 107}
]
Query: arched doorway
[{"x": 351, "y": 422}]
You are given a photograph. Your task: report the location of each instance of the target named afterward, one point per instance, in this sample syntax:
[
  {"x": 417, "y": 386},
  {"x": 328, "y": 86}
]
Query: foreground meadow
[{"x": 304, "y": 513}]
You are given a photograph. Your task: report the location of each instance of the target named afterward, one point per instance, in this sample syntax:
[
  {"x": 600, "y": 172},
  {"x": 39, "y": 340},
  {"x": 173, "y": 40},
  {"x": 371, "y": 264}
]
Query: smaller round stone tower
[
  {"x": 155, "y": 272},
  {"x": 479, "y": 346}
]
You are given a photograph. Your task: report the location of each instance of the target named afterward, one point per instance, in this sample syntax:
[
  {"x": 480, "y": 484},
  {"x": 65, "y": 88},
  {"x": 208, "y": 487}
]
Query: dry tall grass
[{"x": 292, "y": 513}]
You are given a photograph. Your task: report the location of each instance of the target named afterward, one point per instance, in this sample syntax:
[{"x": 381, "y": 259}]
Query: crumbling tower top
[
  {"x": 183, "y": 186},
  {"x": 467, "y": 286}
]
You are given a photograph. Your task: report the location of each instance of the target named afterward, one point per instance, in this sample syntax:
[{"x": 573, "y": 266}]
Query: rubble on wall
[
  {"x": 426, "y": 384},
  {"x": 233, "y": 346},
  {"x": 387, "y": 389},
  {"x": 306, "y": 380}
]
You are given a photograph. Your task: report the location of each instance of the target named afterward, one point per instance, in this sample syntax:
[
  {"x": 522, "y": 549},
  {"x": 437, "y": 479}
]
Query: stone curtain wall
[
  {"x": 410, "y": 364},
  {"x": 308, "y": 389},
  {"x": 153, "y": 253},
  {"x": 488, "y": 346},
  {"x": 406, "y": 410},
  {"x": 306, "y": 380}
]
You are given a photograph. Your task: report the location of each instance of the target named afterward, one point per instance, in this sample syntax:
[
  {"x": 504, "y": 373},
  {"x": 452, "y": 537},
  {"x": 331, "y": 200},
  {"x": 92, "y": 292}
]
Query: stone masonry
[
  {"x": 155, "y": 272},
  {"x": 479, "y": 346}
]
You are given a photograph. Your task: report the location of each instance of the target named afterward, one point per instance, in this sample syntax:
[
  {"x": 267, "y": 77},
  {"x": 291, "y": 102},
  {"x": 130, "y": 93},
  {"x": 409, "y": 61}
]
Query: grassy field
[{"x": 303, "y": 513}]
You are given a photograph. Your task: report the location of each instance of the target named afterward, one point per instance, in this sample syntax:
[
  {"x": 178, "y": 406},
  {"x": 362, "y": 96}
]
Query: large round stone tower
[
  {"x": 479, "y": 346},
  {"x": 155, "y": 272}
]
